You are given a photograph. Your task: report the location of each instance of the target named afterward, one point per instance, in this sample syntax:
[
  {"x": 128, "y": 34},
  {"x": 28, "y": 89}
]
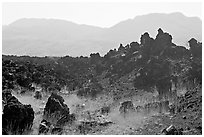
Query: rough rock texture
[
  {"x": 57, "y": 131},
  {"x": 55, "y": 104},
  {"x": 126, "y": 107},
  {"x": 17, "y": 118},
  {"x": 105, "y": 110},
  {"x": 57, "y": 112},
  {"x": 44, "y": 127},
  {"x": 87, "y": 127},
  {"x": 195, "y": 48},
  {"x": 187, "y": 116}
]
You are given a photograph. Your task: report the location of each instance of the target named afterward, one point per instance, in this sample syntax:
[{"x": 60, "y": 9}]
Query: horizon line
[{"x": 58, "y": 19}]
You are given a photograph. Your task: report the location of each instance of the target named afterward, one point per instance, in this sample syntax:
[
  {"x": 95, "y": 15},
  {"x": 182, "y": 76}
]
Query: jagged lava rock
[
  {"x": 17, "y": 118},
  {"x": 56, "y": 104}
]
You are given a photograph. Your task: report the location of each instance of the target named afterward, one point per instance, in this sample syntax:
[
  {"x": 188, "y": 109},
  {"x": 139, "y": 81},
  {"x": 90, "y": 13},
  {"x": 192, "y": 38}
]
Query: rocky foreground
[
  {"x": 56, "y": 118},
  {"x": 189, "y": 119}
]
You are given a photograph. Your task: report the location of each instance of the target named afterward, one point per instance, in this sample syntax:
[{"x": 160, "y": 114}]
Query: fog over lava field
[
  {"x": 136, "y": 69},
  {"x": 150, "y": 87}
]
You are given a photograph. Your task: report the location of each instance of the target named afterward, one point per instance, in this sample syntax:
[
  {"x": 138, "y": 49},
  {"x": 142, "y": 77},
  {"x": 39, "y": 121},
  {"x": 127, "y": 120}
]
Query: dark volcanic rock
[
  {"x": 44, "y": 127},
  {"x": 17, "y": 118},
  {"x": 57, "y": 112},
  {"x": 157, "y": 67},
  {"x": 126, "y": 107},
  {"x": 68, "y": 119},
  {"x": 195, "y": 48},
  {"x": 55, "y": 104}
]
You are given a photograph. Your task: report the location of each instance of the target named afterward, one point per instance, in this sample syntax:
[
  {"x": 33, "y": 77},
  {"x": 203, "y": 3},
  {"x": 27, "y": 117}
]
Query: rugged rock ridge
[{"x": 152, "y": 62}]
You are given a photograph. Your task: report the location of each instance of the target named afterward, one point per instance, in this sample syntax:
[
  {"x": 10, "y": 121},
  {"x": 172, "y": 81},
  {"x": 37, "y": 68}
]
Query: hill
[{"x": 52, "y": 37}]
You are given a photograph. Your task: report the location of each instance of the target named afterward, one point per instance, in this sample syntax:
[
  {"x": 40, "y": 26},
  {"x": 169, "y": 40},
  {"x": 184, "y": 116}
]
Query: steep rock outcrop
[
  {"x": 55, "y": 104},
  {"x": 57, "y": 112}
]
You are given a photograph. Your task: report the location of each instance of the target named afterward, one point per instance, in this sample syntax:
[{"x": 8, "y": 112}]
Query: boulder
[
  {"x": 17, "y": 118},
  {"x": 55, "y": 104},
  {"x": 126, "y": 107},
  {"x": 57, "y": 112}
]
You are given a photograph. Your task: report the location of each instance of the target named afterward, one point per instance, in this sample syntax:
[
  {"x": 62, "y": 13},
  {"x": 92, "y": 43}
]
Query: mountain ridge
[
  {"x": 173, "y": 13},
  {"x": 54, "y": 37}
]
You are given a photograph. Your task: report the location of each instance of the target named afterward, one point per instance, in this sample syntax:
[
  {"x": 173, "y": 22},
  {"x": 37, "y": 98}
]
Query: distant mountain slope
[{"x": 41, "y": 37}]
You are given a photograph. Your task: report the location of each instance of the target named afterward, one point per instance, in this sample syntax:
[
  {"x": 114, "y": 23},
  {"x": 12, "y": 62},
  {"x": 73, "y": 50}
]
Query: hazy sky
[{"x": 98, "y": 14}]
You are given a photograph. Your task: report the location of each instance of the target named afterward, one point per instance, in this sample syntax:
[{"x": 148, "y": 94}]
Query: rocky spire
[
  {"x": 160, "y": 31},
  {"x": 144, "y": 38}
]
